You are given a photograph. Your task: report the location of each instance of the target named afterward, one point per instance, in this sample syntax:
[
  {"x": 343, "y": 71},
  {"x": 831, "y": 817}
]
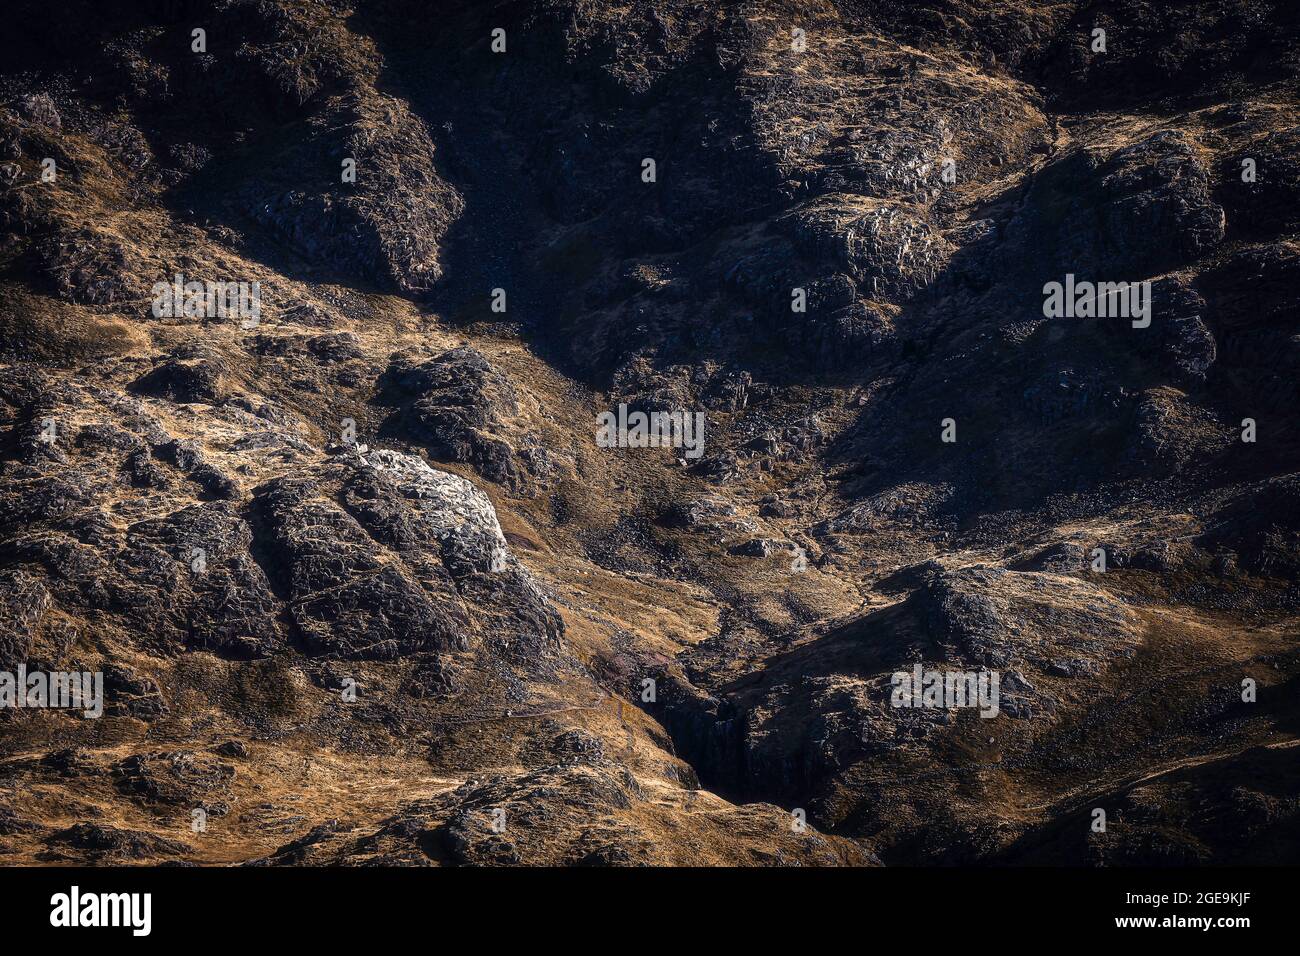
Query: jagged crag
[{"x": 430, "y": 644}]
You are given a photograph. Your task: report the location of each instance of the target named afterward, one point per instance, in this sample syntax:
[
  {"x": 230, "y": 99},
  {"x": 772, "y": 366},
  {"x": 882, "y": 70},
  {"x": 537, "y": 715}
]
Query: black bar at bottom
[{"x": 231, "y": 905}]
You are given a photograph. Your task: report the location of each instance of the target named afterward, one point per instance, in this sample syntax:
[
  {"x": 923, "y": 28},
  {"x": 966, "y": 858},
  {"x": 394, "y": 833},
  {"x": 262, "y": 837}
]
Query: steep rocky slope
[{"x": 363, "y": 585}]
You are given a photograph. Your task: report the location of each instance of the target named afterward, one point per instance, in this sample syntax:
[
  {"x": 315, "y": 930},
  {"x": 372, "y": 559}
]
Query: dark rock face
[
  {"x": 454, "y": 405},
  {"x": 112, "y": 844},
  {"x": 1178, "y": 56},
  {"x": 1158, "y": 210},
  {"x": 206, "y": 550},
  {"x": 1262, "y": 527},
  {"x": 190, "y": 460},
  {"x": 176, "y": 778},
  {"x": 387, "y": 225},
  {"x": 88, "y": 266},
  {"x": 395, "y": 566},
  {"x": 343, "y": 597},
  {"x": 1264, "y": 206},
  {"x": 182, "y": 381},
  {"x": 25, "y": 601},
  {"x": 1144, "y": 208},
  {"x": 233, "y": 748},
  {"x": 999, "y": 618}
]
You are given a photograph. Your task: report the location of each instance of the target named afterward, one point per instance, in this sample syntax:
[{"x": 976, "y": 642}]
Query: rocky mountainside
[{"x": 309, "y": 313}]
